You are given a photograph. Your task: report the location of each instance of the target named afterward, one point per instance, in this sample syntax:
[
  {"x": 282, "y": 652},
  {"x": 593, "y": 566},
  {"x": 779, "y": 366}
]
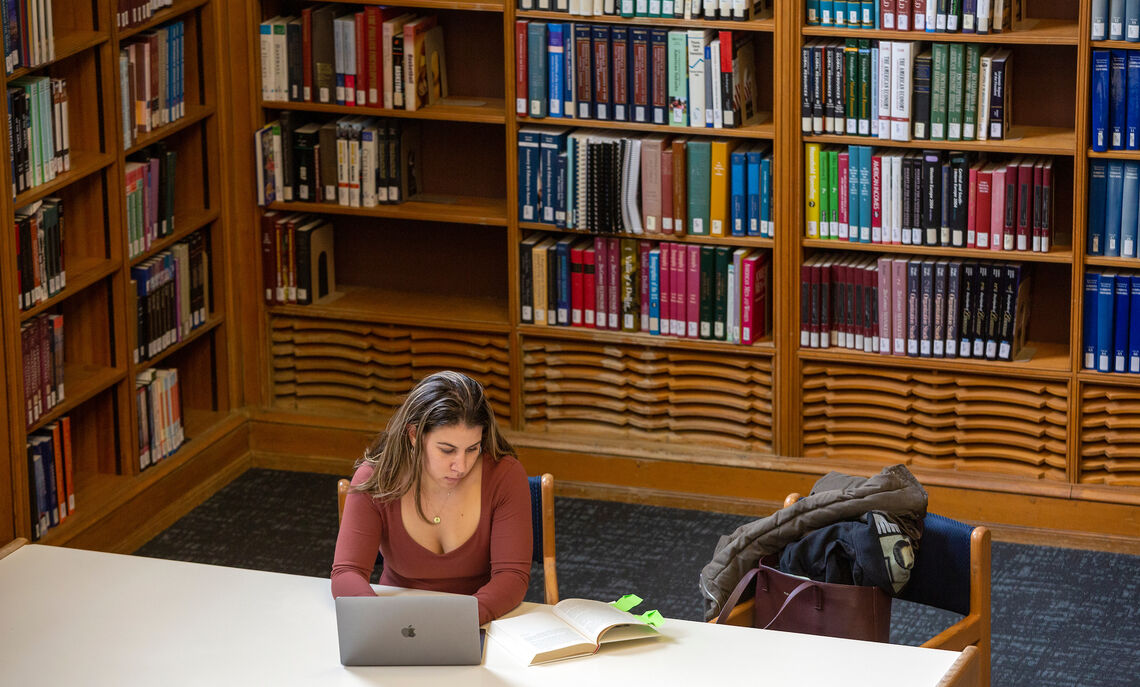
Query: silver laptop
[{"x": 414, "y": 630}]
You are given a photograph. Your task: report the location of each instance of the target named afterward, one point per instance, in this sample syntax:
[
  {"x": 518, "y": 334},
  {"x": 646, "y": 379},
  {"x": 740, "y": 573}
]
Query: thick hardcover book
[
  {"x": 1097, "y": 193},
  {"x": 1001, "y": 102},
  {"x": 981, "y": 308},
  {"x": 583, "y": 71},
  {"x": 1134, "y": 326},
  {"x": 526, "y": 278},
  {"x": 926, "y": 309},
  {"x": 707, "y": 291},
  {"x": 921, "y": 98},
  {"x": 913, "y": 306},
  {"x": 1015, "y": 310},
  {"x": 620, "y": 72},
  {"x": 1099, "y": 108},
  {"x": 939, "y": 306},
  {"x": 1089, "y": 328},
  {"x": 658, "y": 65},
  {"x": 1114, "y": 194},
  {"x": 1120, "y": 325},
  {"x": 1106, "y": 288},
  {"x": 1128, "y": 209},
  {"x": 678, "y": 78},
  {"x": 603, "y": 74},
  {"x": 641, "y": 75},
  {"x": 939, "y": 90},
  {"x": 536, "y": 68},
  {"x": 955, "y": 92},
  {"x": 699, "y": 156},
  {"x": 994, "y": 289}
]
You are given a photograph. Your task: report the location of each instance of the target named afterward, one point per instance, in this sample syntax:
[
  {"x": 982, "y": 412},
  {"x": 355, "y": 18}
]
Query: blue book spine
[
  {"x": 854, "y": 199},
  {"x": 1134, "y": 326},
  {"x": 754, "y": 192},
  {"x": 655, "y": 291},
  {"x": 560, "y": 190},
  {"x": 1099, "y": 108},
  {"x": 1098, "y": 183},
  {"x": 1121, "y": 329},
  {"x": 1114, "y": 198},
  {"x": 738, "y": 177},
  {"x": 41, "y": 489},
  {"x": 582, "y": 34},
  {"x": 813, "y": 13},
  {"x": 1092, "y": 280},
  {"x": 1117, "y": 98},
  {"x": 1099, "y": 20},
  {"x": 767, "y": 226},
  {"x": 969, "y": 16},
  {"x": 555, "y": 56},
  {"x": 864, "y": 193},
  {"x": 1128, "y": 209},
  {"x": 1132, "y": 21},
  {"x": 1132, "y": 123},
  {"x": 568, "y": 70},
  {"x": 867, "y": 14},
  {"x": 658, "y": 46},
  {"x": 563, "y": 252},
  {"x": 548, "y": 171},
  {"x": 1106, "y": 284},
  {"x": 536, "y": 68},
  {"x": 528, "y": 175},
  {"x": 49, "y": 481},
  {"x": 827, "y": 12},
  {"x": 1116, "y": 16}
]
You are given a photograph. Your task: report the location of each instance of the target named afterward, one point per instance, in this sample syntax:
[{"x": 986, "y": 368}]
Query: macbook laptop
[{"x": 413, "y": 630}]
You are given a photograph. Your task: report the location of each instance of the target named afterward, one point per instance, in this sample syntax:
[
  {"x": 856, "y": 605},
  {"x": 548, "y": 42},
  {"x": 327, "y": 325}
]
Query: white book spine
[
  {"x": 696, "y": 43},
  {"x": 901, "y": 87},
  {"x": 267, "y": 80},
  {"x": 280, "y": 60},
  {"x": 985, "y": 72},
  {"x": 717, "y": 106},
  {"x": 932, "y": 17},
  {"x": 887, "y": 77},
  {"x": 896, "y": 197},
  {"x": 984, "y": 16}
]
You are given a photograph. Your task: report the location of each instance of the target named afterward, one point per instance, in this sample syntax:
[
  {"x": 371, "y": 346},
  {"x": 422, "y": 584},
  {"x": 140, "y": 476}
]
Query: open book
[{"x": 570, "y": 628}]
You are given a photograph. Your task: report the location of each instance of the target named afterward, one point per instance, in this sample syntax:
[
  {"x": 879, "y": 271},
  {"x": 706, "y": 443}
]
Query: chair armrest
[{"x": 965, "y": 671}]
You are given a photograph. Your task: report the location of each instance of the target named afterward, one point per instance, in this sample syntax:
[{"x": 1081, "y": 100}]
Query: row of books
[
  {"x": 134, "y": 12},
  {"x": 40, "y": 270},
  {"x": 152, "y": 80},
  {"x": 664, "y": 289},
  {"x": 172, "y": 296},
  {"x": 737, "y": 10},
  {"x": 928, "y": 198},
  {"x": 1114, "y": 189},
  {"x": 39, "y": 137},
  {"x": 297, "y": 258},
  {"x": 931, "y": 16},
  {"x": 618, "y": 183},
  {"x": 698, "y": 77},
  {"x": 149, "y": 182},
  {"x": 895, "y": 305},
  {"x": 354, "y": 161},
  {"x": 41, "y": 345},
  {"x": 899, "y": 90},
  {"x": 1115, "y": 20},
  {"x": 29, "y": 38},
  {"x": 51, "y": 476},
  {"x": 161, "y": 430},
  {"x": 373, "y": 56},
  {"x": 1111, "y": 327},
  {"x": 1115, "y": 107}
]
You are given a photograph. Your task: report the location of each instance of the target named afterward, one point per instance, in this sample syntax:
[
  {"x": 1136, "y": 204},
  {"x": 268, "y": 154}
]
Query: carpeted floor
[{"x": 1060, "y": 616}]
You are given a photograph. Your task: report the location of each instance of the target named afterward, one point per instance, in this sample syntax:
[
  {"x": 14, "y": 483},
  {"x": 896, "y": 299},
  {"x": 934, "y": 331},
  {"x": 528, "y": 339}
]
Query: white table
[{"x": 71, "y": 617}]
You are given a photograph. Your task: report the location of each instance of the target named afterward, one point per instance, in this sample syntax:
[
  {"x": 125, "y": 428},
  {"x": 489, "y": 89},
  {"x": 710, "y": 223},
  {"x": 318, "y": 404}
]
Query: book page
[
  {"x": 538, "y": 632},
  {"x": 593, "y": 618}
]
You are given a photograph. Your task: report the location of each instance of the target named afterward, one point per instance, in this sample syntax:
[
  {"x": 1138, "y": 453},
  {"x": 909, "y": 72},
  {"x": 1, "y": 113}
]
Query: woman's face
[{"x": 450, "y": 452}]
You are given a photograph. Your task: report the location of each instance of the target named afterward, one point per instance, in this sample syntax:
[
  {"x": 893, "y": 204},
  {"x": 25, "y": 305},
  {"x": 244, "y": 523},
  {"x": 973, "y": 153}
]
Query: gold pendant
[{"x": 435, "y": 519}]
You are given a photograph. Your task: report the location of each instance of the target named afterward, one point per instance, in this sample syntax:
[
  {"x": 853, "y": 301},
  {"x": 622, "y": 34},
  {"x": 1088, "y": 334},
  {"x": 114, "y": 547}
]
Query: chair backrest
[
  {"x": 941, "y": 575},
  {"x": 541, "y": 520}
]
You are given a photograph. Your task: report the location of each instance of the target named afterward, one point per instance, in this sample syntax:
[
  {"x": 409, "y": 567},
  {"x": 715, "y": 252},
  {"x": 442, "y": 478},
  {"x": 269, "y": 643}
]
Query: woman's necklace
[{"x": 435, "y": 520}]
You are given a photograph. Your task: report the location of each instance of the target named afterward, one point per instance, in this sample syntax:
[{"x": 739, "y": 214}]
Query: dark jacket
[{"x": 834, "y": 498}]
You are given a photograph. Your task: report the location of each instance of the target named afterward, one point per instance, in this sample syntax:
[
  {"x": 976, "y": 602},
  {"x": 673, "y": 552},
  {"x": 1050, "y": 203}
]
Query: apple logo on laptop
[{"x": 409, "y": 631}]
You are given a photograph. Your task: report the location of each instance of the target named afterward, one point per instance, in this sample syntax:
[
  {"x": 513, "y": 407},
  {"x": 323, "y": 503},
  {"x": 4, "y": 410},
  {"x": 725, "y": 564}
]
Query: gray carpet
[{"x": 1061, "y": 617}]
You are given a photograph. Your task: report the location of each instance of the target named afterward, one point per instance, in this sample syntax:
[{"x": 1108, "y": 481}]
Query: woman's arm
[
  {"x": 511, "y": 545},
  {"x": 357, "y": 542}
]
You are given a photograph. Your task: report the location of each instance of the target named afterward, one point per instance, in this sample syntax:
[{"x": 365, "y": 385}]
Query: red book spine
[
  {"x": 602, "y": 75},
  {"x": 521, "y": 95},
  {"x": 613, "y": 283},
  {"x": 815, "y": 281},
  {"x": 902, "y": 15},
  {"x": 887, "y": 14},
  {"x": 362, "y": 50},
  {"x": 577, "y": 289},
  {"x": 1038, "y": 176},
  {"x": 643, "y": 268},
  {"x": 26, "y": 356},
  {"x": 659, "y": 64},
  {"x": 619, "y": 60},
  {"x": 307, "y": 54},
  {"x": 747, "y": 301},
  {"x": 1009, "y": 225},
  {"x": 876, "y": 195},
  {"x": 666, "y": 191},
  {"x": 1046, "y": 205},
  {"x": 583, "y": 73},
  {"x": 664, "y": 279},
  {"x": 972, "y": 209},
  {"x": 805, "y": 301},
  {"x": 269, "y": 255},
  {"x": 589, "y": 286},
  {"x": 1024, "y": 204},
  {"x": 680, "y": 285},
  {"x": 693, "y": 292},
  {"x": 43, "y": 334},
  {"x": 981, "y": 215},
  {"x": 601, "y": 268},
  {"x": 844, "y": 200},
  {"x": 918, "y": 13},
  {"x": 870, "y": 324},
  {"x": 641, "y": 105}
]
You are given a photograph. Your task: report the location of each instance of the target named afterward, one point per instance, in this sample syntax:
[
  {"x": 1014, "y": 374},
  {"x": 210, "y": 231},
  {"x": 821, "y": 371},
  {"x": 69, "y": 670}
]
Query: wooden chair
[
  {"x": 951, "y": 572},
  {"x": 541, "y": 517}
]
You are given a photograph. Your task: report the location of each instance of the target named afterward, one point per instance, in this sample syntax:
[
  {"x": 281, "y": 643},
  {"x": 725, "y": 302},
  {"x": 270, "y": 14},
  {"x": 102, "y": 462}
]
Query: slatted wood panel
[
  {"x": 641, "y": 392},
  {"x": 970, "y": 423},
  {"x": 1110, "y": 435},
  {"x": 340, "y": 366}
]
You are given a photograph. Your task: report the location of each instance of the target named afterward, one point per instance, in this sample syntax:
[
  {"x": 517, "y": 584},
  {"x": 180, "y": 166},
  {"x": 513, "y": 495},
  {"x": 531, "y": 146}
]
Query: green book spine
[
  {"x": 824, "y": 181},
  {"x": 833, "y": 192},
  {"x": 939, "y": 78},
  {"x": 699, "y": 158},
  {"x": 864, "y": 87},
  {"x": 954, "y": 92},
  {"x": 954, "y": 16},
  {"x": 708, "y": 277},
  {"x": 851, "y": 85},
  {"x": 678, "y": 78},
  {"x": 720, "y": 293},
  {"x": 970, "y": 101}
]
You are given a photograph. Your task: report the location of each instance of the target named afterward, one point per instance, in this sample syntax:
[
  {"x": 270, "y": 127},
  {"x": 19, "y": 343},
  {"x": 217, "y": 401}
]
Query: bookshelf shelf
[
  {"x": 1058, "y": 256},
  {"x": 1116, "y": 154},
  {"x": 390, "y": 306},
  {"x": 1122, "y": 45},
  {"x": 210, "y": 325},
  {"x": 83, "y": 164},
  {"x": 1039, "y": 140},
  {"x": 1050, "y": 361},
  {"x": 187, "y": 224},
  {"x": 1117, "y": 378},
  {"x": 764, "y": 23},
  {"x": 764, "y": 347},
  {"x": 67, "y": 45},
  {"x": 82, "y": 272},
  {"x": 162, "y": 16},
  {"x": 1036, "y": 32},
  {"x": 194, "y": 115},
  {"x": 81, "y": 383},
  {"x": 1120, "y": 263},
  {"x": 456, "y": 209},
  {"x": 766, "y": 130},
  {"x": 744, "y": 241},
  {"x": 465, "y": 5},
  {"x": 476, "y": 110}
]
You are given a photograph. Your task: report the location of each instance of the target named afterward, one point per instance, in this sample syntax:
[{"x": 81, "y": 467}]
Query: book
[{"x": 570, "y": 628}]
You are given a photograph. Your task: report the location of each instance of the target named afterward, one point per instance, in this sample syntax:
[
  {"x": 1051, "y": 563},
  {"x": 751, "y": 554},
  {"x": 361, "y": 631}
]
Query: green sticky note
[
  {"x": 652, "y": 618},
  {"x": 626, "y": 602}
]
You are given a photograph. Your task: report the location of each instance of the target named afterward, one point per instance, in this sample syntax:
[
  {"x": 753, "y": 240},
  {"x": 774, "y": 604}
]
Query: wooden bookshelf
[
  {"x": 765, "y": 130},
  {"x": 456, "y": 109},
  {"x": 741, "y": 241},
  {"x": 1062, "y": 254},
  {"x": 1035, "y": 140},
  {"x": 1035, "y": 32},
  {"x": 458, "y": 209},
  {"x": 764, "y": 23}
]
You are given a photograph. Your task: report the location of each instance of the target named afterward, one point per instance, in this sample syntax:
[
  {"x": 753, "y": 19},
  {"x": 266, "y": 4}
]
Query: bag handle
[
  {"x": 800, "y": 589},
  {"x": 734, "y": 597}
]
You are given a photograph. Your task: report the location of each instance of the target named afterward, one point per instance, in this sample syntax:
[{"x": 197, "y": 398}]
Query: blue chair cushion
[
  {"x": 536, "y": 516},
  {"x": 941, "y": 575}
]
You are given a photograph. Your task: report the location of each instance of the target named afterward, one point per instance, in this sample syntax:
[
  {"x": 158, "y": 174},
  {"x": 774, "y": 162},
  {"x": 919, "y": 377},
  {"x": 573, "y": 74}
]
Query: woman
[{"x": 440, "y": 494}]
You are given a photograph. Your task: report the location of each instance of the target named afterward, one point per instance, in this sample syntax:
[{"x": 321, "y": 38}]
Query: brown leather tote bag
[{"x": 793, "y": 604}]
